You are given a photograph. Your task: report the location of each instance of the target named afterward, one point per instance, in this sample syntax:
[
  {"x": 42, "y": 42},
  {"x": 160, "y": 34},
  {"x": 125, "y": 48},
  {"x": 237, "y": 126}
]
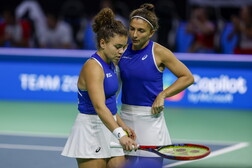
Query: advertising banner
[
  {"x": 41, "y": 81},
  {"x": 51, "y": 75},
  {"x": 214, "y": 87}
]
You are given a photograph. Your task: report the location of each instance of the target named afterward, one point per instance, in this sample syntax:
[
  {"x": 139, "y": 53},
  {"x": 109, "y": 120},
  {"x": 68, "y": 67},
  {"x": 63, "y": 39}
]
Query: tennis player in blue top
[
  {"x": 141, "y": 71},
  {"x": 98, "y": 124}
]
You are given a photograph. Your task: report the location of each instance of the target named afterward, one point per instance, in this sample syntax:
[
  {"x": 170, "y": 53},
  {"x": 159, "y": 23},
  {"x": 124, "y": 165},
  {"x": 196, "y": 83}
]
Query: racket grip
[{"x": 115, "y": 145}]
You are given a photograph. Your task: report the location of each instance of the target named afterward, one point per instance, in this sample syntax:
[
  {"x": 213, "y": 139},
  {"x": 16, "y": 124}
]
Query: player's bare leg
[
  {"x": 94, "y": 163},
  {"x": 116, "y": 162}
]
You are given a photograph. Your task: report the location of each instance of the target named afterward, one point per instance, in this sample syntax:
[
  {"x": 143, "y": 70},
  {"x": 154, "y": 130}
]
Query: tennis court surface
[{"x": 32, "y": 135}]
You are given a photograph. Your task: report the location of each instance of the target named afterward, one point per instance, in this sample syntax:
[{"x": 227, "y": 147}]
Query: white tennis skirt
[
  {"x": 90, "y": 138},
  {"x": 150, "y": 129}
]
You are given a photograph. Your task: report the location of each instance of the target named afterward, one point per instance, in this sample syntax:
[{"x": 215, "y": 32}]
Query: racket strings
[{"x": 183, "y": 151}]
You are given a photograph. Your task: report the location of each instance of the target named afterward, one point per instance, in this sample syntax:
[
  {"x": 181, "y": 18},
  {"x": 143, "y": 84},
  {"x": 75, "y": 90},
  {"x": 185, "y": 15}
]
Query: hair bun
[
  {"x": 148, "y": 6},
  {"x": 105, "y": 17}
]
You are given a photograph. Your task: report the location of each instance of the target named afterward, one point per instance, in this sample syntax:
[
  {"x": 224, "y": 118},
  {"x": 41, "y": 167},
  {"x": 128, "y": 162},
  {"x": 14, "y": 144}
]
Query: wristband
[{"x": 119, "y": 132}]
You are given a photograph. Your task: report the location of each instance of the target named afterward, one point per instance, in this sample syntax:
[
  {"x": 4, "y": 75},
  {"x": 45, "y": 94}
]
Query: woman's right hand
[
  {"x": 131, "y": 133},
  {"x": 128, "y": 143}
]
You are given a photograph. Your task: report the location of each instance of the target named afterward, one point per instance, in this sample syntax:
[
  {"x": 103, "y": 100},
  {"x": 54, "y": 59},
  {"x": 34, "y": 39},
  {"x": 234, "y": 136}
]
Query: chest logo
[
  {"x": 108, "y": 75},
  {"x": 126, "y": 57},
  {"x": 144, "y": 57}
]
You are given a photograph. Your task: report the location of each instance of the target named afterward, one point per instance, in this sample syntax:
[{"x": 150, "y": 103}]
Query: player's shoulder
[
  {"x": 160, "y": 49},
  {"x": 92, "y": 64}
]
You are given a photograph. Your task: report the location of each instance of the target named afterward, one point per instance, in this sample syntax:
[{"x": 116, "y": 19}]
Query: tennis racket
[{"x": 175, "y": 151}]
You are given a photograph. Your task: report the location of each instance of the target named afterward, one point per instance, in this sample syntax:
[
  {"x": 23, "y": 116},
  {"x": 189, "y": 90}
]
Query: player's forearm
[
  {"x": 120, "y": 121},
  {"x": 107, "y": 118},
  {"x": 179, "y": 85},
  {"x": 109, "y": 121}
]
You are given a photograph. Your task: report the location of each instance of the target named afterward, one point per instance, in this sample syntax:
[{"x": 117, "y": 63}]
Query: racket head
[{"x": 182, "y": 151}]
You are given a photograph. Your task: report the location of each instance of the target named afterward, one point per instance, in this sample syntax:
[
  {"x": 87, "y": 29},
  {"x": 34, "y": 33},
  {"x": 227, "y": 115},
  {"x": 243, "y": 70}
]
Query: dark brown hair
[
  {"x": 105, "y": 26},
  {"x": 146, "y": 11}
]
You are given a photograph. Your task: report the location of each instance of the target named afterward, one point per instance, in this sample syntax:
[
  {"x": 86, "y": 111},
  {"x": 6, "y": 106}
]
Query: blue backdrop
[{"x": 221, "y": 81}]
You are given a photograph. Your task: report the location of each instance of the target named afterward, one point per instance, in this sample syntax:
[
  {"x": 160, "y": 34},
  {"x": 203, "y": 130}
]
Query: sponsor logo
[
  {"x": 221, "y": 84},
  {"x": 126, "y": 57},
  {"x": 221, "y": 89},
  {"x": 108, "y": 75},
  {"x": 144, "y": 57},
  {"x": 98, "y": 149}
]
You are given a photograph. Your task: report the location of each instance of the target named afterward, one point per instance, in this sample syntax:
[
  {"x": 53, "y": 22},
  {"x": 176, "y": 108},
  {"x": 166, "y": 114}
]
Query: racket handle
[{"x": 116, "y": 145}]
